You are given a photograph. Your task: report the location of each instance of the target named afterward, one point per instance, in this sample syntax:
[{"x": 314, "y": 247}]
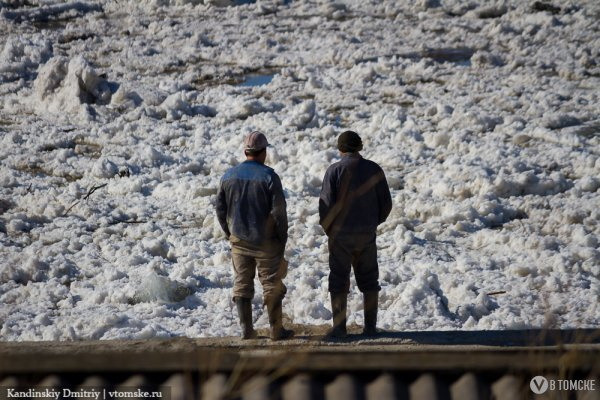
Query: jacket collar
[{"x": 351, "y": 155}]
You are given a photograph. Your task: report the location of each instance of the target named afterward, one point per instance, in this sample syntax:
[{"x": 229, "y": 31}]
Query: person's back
[
  {"x": 354, "y": 199},
  {"x": 355, "y": 196},
  {"x": 259, "y": 214},
  {"x": 251, "y": 210}
]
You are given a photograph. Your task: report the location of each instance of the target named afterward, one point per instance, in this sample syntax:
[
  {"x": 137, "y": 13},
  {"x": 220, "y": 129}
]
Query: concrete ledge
[{"x": 298, "y": 355}]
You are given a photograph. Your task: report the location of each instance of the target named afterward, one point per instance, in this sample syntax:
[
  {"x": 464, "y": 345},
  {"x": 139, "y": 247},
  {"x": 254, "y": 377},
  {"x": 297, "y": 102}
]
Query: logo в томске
[{"x": 538, "y": 384}]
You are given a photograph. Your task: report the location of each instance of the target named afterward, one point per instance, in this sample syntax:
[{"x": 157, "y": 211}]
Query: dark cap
[
  {"x": 349, "y": 142},
  {"x": 255, "y": 141}
]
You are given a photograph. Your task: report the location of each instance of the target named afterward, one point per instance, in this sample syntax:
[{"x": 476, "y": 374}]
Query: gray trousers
[{"x": 358, "y": 251}]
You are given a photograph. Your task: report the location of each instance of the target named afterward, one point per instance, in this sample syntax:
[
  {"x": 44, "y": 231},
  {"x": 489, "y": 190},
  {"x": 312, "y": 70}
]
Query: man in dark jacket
[
  {"x": 355, "y": 199},
  {"x": 251, "y": 209}
]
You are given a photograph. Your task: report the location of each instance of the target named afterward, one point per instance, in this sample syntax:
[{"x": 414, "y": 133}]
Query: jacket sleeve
[
  {"x": 278, "y": 211},
  {"x": 384, "y": 198},
  {"x": 327, "y": 201},
  {"x": 221, "y": 208}
]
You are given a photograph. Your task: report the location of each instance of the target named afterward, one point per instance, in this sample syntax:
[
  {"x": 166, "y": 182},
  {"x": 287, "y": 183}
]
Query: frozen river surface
[{"x": 118, "y": 118}]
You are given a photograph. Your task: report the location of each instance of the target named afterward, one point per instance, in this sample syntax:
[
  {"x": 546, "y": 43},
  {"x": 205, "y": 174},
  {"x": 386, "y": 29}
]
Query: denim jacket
[{"x": 251, "y": 205}]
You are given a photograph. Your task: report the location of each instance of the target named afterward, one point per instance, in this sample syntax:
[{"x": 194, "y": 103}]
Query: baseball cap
[{"x": 255, "y": 141}]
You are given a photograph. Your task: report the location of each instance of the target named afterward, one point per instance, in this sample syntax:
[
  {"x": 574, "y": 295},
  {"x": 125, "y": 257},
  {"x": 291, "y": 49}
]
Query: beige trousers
[{"x": 267, "y": 260}]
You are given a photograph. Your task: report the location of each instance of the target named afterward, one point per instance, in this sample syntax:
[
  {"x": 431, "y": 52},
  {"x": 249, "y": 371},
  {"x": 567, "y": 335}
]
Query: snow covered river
[{"x": 118, "y": 118}]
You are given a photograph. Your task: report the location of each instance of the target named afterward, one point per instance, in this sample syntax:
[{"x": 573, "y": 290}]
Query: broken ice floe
[
  {"x": 159, "y": 288},
  {"x": 20, "y": 57},
  {"x": 70, "y": 85},
  {"x": 45, "y": 13}
]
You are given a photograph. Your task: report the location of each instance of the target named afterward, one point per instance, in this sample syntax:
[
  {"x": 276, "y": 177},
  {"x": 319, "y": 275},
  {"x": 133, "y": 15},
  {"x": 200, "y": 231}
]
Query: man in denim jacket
[{"x": 251, "y": 209}]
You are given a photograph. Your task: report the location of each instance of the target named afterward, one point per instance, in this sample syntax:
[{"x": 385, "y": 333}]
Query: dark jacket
[
  {"x": 251, "y": 205},
  {"x": 355, "y": 196}
]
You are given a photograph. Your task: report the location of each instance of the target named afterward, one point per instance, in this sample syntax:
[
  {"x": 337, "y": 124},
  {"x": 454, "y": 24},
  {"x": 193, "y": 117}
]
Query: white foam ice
[{"x": 117, "y": 120}]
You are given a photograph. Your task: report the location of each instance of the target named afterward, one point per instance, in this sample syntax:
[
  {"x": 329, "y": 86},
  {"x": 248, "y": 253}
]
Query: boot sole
[
  {"x": 253, "y": 335},
  {"x": 283, "y": 335}
]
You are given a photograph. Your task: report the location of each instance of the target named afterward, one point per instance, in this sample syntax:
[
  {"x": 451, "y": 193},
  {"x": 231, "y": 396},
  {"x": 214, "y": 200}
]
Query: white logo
[{"x": 538, "y": 384}]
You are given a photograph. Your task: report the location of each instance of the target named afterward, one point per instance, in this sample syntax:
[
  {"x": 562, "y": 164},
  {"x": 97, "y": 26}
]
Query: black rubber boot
[
  {"x": 278, "y": 332},
  {"x": 370, "y": 300},
  {"x": 244, "y": 308},
  {"x": 339, "y": 303}
]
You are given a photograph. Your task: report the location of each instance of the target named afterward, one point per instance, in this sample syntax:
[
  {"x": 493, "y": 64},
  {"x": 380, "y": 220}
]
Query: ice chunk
[
  {"x": 156, "y": 247},
  {"x": 66, "y": 85},
  {"x": 588, "y": 184},
  {"x": 303, "y": 116},
  {"x": 126, "y": 98},
  {"x": 179, "y": 104},
  {"x": 159, "y": 288},
  {"x": 21, "y": 56},
  {"x": 104, "y": 168},
  {"x": 41, "y": 14}
]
